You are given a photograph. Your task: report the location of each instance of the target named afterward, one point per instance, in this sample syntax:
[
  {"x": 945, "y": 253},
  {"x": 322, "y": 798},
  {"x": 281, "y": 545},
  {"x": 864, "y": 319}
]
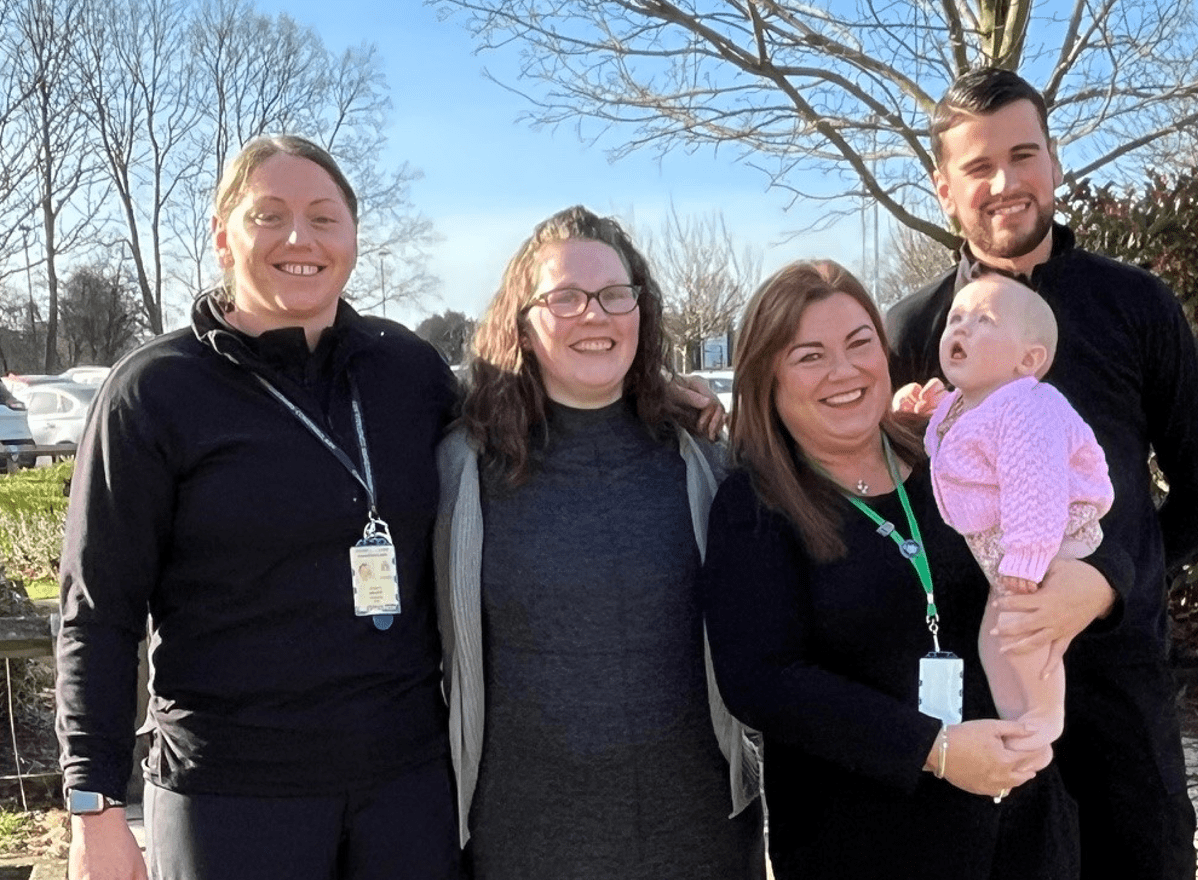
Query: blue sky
[{"x": 488, "y": 179}]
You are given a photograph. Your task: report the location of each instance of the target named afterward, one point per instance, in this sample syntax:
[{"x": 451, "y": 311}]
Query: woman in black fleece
[{"x": 227, "y": 472}]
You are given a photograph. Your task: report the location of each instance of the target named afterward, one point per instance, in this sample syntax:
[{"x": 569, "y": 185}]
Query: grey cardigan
[{"x": 458, "y": 546}]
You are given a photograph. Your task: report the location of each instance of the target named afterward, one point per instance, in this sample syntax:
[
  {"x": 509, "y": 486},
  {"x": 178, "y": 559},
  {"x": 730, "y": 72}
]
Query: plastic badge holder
[{"x": 942, "y": 686}]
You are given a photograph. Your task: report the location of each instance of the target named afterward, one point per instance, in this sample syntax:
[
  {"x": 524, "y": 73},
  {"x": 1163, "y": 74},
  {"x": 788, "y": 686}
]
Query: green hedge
[{"x": 33, "y": 510}]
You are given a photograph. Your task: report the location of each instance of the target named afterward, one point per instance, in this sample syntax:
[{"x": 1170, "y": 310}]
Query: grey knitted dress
[{"x": 599, "y": 758}]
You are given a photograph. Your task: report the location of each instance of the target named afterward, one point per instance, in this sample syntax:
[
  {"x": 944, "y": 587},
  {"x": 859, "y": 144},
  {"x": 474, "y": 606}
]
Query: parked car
[
  {"x": 20, "y": 386},
  {"x": 57, "y": 411},
  {"x": 14, "y": 430},
  {"x": 86, "y": 375},
  {"x": 721, "y": 383}
]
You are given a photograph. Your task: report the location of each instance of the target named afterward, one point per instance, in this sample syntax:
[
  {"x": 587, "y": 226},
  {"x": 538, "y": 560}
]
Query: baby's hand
[
  {"x": 919, "y": 399},
  {"x": 1013, "y": 586}
]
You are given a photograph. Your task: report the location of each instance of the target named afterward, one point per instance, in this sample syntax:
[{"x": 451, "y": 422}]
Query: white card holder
[
  {"x": 942, "y": 686},
  {"x": 375, "y": 579}
]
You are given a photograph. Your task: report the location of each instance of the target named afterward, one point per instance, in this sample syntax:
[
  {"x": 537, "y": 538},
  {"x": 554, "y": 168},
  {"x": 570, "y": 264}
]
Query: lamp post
[
  {"x": 383, "y": 276},
  {"x": 25, "y": 230}
]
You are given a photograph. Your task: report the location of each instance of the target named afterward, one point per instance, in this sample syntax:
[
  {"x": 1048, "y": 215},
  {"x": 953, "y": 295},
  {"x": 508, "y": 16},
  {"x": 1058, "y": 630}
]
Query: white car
[
  {"x": 20, "y": 386},
  {"x": 85, "y": 375},
  {"x": 14, "y": 431},
  {"x": 57, "y": 411}
]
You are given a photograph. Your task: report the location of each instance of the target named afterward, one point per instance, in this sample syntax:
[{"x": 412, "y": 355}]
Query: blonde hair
[{"x": 236, "y": 177}]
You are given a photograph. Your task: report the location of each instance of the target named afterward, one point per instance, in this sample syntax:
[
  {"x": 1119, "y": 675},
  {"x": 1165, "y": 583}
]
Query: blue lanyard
[{"x": 366, "y": 475}]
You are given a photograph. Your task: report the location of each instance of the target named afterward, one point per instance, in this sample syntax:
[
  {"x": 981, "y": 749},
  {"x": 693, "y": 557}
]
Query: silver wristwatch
[{"x": 87, "y": 803}]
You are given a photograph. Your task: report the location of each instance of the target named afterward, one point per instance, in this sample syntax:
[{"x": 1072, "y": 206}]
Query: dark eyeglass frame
[{"x": 543, "y": 300}]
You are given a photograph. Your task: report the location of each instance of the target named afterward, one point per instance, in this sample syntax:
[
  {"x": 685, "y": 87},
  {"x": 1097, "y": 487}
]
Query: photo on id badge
[{"x": 376, "y": 582}]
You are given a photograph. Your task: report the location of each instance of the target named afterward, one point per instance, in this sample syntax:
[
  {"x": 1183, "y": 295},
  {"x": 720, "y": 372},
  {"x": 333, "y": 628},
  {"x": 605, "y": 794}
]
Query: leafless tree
[
  {"x": 64, "y": 171},
  {"x": 909, "y": 261},
  {"x": 393, "y": 237},
  {"x": 116, "y": 119},
  {"x": 189, "y": 225},
  {"x": 17, "y": 207},
  {"x": 18, "y": 350},
  {"x": 705, "y": 280},
  {"x": 268, "y": 75},
  {"x": 258, "y": 73},
  {"x": 838, "y": 94},
  {"x": 141, "y": 106}
]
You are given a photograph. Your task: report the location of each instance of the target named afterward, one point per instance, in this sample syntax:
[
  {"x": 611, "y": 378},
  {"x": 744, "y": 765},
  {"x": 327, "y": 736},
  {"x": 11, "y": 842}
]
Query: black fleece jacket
[{"x": 199, "y": 498}]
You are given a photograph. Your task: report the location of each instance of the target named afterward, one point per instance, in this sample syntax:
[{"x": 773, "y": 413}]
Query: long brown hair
[
  {"x": 505, "y": 409},
  {"x": 781, "y": 476}
]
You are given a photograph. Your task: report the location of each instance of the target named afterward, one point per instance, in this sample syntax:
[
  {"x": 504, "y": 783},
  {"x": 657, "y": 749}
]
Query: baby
[{"x": 1016, "y": 471}]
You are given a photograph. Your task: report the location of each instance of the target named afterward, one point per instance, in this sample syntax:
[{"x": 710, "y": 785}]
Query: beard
[{"x": 1008, "y": 244}]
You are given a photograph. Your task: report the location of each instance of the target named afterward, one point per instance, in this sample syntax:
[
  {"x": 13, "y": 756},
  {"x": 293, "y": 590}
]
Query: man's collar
[{"x": 969, "y": 267}]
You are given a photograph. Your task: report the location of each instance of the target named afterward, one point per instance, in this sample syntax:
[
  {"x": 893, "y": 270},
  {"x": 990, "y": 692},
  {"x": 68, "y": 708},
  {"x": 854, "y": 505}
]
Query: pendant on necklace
[{"x": 862, "y": 487}]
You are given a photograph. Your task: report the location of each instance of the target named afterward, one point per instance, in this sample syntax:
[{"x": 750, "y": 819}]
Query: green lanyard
[{"x": 911, "y": 548}]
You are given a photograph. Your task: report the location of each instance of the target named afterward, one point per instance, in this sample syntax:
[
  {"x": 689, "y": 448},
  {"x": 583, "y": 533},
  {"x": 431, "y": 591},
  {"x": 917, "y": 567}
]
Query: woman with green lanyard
[{"x": 843, "y": 618}]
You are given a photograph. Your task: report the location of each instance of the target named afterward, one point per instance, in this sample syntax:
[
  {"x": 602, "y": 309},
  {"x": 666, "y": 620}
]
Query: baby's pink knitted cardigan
[{"x": 1017, "y": 461}]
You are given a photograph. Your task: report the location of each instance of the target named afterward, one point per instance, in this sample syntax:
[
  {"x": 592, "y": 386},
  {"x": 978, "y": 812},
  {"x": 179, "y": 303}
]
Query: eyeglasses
[{"x": 570, "y": 302}]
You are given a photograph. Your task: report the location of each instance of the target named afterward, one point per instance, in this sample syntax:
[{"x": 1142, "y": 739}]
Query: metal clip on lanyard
[{"x": 911, "y": 548}]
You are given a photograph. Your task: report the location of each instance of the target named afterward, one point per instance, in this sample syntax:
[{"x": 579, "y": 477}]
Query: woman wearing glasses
[{"x": 587, "y": 735}]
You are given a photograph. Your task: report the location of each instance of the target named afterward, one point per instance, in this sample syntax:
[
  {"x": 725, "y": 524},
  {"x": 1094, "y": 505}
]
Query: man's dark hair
[{"x": 979, "y": 93}]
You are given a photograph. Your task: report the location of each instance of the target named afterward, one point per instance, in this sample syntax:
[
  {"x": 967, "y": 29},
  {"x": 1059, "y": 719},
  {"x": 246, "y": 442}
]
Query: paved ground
[{"x": 53, "y": 869}]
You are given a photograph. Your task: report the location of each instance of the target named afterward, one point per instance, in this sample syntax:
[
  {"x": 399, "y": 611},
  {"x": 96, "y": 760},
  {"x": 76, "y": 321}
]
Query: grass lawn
[{"x": 32, "y": 512}]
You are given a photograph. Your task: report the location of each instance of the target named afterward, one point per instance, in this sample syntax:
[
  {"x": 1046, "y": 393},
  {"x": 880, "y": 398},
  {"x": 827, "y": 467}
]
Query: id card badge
[
  {"x": 941, "y": 686},
  {"x": 375, "y": 580}
]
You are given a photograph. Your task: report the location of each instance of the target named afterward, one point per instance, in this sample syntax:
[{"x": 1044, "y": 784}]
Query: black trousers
[
  {"x": 1121, "y": 759},
  {"x": 400, "y": 829}
]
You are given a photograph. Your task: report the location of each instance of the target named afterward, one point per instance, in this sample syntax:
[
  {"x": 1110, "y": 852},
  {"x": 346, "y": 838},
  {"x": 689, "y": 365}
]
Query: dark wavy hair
[
  {"x": 505, "y": 407},
  {"x": 761, "y": 443},
  {"x": 981, "y": 92}
]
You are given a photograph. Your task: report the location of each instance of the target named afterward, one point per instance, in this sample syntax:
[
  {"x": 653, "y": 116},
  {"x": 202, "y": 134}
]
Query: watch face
[{"x": 85, "y": 802}]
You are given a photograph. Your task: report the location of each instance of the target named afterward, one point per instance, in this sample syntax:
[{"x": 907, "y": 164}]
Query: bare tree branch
[
  {"x": 65, "y": 172},
  {"x": 143, "y": 117},
  {"x": 831, "y": 99},
  {"x": 705, "y": 281}
]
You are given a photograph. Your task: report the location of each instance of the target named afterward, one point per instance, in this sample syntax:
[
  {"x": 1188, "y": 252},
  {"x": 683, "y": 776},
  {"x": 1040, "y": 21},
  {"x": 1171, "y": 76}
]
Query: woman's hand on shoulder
[
  {"x": 979, "y": 761},
  {"x": 694, "y": 392}
]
